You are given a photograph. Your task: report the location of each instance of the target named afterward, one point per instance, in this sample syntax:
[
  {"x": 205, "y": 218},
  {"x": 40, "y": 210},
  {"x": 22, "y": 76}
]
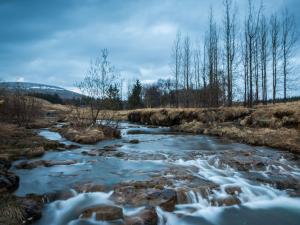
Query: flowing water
[{"x": 161, "y": 153}]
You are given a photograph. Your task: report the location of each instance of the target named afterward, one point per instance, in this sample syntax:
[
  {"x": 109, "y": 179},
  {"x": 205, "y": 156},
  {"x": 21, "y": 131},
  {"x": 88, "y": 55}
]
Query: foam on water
[
  {"x": 252, "y": 196},
  {"x": 54, "y": 136},
  {"x": 61, "y": 212}
]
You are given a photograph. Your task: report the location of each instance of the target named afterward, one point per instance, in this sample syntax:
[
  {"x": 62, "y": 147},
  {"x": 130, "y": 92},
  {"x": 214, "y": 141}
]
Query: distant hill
[{"x": 40, "y": 88}]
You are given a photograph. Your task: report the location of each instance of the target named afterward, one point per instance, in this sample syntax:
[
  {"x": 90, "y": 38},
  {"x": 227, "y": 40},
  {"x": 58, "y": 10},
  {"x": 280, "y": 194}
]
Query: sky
[{"x": 52, "y": 42}]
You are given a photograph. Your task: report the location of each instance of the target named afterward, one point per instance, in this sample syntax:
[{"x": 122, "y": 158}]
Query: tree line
[{"x": 257, "y": 51}]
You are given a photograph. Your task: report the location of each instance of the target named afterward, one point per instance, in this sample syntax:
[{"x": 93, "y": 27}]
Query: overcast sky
[{"x": 53, "y": 41}]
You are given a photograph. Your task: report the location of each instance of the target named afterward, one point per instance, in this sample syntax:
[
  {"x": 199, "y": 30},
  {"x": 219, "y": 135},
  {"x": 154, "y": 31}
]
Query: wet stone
[
  {"x": 228, "y": 201},
  {"x": 104, "y": 212},
  {"x": 147, "y": 216},
  {"x": 134, "y": 141},
  {"x": 9, "y": 182},
  {"x": 46, "y": 163},
  {"x": 233, "y": 190}
]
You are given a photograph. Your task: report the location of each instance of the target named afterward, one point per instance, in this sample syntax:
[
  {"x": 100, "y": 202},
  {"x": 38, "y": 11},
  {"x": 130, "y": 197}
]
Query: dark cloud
[{"x": 53, "y": 41}]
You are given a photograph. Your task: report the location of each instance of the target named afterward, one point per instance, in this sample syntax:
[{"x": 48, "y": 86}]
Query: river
[{"x": 185, "y": 162}]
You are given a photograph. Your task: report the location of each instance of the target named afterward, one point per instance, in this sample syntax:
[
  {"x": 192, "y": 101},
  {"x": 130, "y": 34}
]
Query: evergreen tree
[
  {"x": 114, "y": 101},
  {"x": 135, "y": 97}
]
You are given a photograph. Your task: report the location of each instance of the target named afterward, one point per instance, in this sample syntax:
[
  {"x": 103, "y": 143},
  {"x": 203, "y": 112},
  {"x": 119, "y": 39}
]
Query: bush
[{"x": 18, "y": 108}]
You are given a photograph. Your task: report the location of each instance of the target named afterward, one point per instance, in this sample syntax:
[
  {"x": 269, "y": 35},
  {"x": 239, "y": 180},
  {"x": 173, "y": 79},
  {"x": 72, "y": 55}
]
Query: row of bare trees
[{"x": 258, "y": 52}]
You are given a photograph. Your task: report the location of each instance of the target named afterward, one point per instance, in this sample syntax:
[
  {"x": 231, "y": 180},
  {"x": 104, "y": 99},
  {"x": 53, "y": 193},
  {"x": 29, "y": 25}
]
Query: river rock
[
  {"x": 9, "y": 182},
  {"x": 233, "y": 190},
  {"x": 228, "y": 201},
  {"x": 104, "y": 212},
  {"x": 147, "y": 216},
  {"x": 46, "y": 163},
  {"x": 149, "y": 196},
  {"x": 71, "y": 146},
  {"x": 90, "y": 187},
  {"x": 134, "y": 141},
  {"x": 35, "y": 152},
  {"x": 136, "y": 132}
]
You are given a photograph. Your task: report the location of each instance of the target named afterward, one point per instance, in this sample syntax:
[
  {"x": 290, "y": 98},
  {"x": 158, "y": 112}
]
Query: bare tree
[
  {"x": 256, "y": 67},
  {"x": 288, "y": 43},
  {"x": 245, "y": 59},
  {"x": 100, "y": 77},
  {"x": 230, "y": 45},
  {"x": 251, "y": 31},
  {"x": 176, "y": 65},
  {"x": 204, "y": 71},
  {"x": 187, "y": 69},
  {"x": 275, "y": 26},
  {"x": 212, "y": 41},
  {"x": 263, "y": 46}
]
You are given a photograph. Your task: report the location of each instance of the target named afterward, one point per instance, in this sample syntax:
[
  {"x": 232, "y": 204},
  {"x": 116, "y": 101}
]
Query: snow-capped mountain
[{"x": 40, "y": 88}]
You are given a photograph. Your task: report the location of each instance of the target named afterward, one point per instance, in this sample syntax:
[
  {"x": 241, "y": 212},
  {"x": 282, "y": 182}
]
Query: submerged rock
[
  {"x": 46, "y": 163},
  {"x": 134, "y": 141},
  {"x": 90, "y": 187}
]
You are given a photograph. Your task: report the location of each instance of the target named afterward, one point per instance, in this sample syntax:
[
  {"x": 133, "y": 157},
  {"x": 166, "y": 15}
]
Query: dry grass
[{"x": 275, "y": 125}]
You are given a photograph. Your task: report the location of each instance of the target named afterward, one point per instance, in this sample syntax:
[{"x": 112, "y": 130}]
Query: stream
[{"x": 265, "y": 182}]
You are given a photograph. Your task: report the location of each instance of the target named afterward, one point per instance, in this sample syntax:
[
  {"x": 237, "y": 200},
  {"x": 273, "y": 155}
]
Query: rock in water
[
  {"x": 147, "y": 216},
  {"x": 104, "y": 212}
]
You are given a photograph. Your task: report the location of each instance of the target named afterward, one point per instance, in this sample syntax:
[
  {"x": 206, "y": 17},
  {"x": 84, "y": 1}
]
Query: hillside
[{"x": 40, "y": 88}]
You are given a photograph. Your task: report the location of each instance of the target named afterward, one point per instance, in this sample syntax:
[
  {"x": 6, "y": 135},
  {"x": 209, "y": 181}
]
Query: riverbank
[{"x": 276, "y": 126}]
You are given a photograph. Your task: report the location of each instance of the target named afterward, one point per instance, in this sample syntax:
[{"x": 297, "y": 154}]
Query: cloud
[{"x": 53, "y": 41}]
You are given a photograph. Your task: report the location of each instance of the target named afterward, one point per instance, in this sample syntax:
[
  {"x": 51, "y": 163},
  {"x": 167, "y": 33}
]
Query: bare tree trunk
[
  {"x": 251, "y": 33},
  {"x": 229, "y": 33},
  {"x": 289, "y": 40},
  {"x": 263, "y": 43},
  {"x": 275, "y": 45},
  {"x": 186, "y": 68},
  {"x": 177, "y": 57}
]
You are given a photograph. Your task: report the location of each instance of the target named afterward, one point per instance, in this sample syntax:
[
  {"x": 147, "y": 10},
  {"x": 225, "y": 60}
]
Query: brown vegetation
[{"x": 276, "y": 125}]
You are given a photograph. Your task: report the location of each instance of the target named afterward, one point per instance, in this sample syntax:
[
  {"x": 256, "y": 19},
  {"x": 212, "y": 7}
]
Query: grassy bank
[{"x": 276, "y": 126}]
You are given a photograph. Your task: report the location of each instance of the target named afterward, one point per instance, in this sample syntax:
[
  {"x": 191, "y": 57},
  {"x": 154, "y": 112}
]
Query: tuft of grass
[{"x": 11, "y": 213}]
